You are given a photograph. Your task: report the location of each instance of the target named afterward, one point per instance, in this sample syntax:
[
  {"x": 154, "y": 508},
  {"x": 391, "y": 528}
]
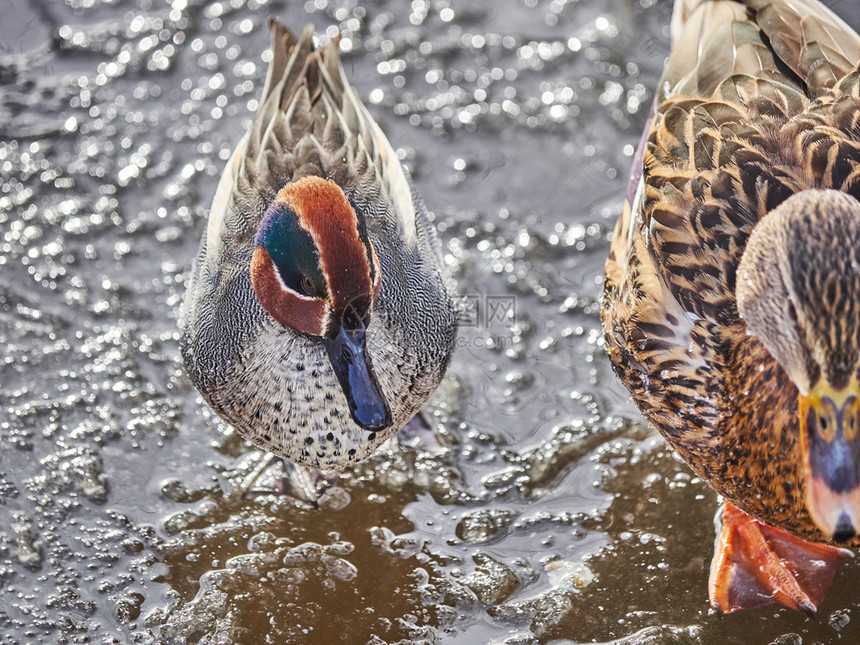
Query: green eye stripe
[{"x": 292, "y": 250}]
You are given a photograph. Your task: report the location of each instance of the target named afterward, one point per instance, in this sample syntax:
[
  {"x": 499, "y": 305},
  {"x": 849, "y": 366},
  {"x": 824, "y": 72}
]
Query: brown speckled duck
[{"x": 732, "y": 294}]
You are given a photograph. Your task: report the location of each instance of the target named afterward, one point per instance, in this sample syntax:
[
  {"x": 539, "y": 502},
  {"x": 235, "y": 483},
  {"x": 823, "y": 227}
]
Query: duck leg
[
  {"x": 755, "y": 565},
  {"x": 305, "y": 484},
  {"x": 418, "y": 434}
]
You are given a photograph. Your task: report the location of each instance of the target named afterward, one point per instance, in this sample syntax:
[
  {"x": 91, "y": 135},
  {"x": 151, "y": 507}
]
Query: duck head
[
  {"x": 798, "y": 290},
  {"x": 315, "y": 271}
]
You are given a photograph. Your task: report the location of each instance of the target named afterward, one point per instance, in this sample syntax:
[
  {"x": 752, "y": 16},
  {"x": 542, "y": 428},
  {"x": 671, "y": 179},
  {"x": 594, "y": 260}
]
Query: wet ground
[{"x": 540, "y": 510}]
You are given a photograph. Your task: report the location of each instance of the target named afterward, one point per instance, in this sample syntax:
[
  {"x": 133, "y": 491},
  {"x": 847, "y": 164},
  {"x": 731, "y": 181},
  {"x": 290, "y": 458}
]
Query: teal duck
[{"x": 319, "y": 315}]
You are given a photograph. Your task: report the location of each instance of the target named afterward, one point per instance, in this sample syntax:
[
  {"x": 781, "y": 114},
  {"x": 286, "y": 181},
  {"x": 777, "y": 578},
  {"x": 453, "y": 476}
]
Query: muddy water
[{"x": 539, "y": 509}]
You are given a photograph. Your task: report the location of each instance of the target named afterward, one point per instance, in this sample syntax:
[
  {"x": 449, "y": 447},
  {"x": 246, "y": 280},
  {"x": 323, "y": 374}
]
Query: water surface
[{"x": 541, "y": 509}]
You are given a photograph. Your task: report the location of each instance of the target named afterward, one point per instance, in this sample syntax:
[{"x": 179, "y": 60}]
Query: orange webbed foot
[{"x": 755, "y": 565}]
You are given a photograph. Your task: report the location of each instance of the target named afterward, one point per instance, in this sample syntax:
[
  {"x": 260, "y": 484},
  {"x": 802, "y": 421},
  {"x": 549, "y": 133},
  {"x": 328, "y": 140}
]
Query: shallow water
[{"x": 541, "y": 510}]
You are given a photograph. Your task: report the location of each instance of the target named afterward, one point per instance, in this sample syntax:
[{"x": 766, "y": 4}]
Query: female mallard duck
[
  {"x": 732, "y": 293},
  {"x": 318, "y": 316}
]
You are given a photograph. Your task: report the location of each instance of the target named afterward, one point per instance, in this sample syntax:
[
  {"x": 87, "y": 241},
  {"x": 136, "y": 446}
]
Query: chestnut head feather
[{"x": 314, "y": 268}]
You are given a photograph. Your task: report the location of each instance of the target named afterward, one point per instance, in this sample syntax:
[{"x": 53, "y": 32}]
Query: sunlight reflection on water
[{"x": 542, "y": 509}]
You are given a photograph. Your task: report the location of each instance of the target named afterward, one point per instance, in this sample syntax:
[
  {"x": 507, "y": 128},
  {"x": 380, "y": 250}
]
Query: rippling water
[{"x": 541, "y": 509}]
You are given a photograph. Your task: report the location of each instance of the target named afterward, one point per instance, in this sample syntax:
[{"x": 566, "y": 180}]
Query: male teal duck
[
  {"x": 732, "y": 294},
  {"x": 319, "y": 316}
]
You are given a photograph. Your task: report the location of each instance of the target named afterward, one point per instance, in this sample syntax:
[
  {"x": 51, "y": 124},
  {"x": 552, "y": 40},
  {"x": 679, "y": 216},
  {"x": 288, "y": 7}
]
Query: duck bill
[
  {"x": 831, "y": 457},
  {"x": 348, "y": 355}
]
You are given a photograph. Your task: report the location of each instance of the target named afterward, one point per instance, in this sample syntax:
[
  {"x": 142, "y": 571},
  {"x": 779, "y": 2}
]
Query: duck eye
[
  {"x": 308, "y": 286},
  {"x": 792, "y": 312}
]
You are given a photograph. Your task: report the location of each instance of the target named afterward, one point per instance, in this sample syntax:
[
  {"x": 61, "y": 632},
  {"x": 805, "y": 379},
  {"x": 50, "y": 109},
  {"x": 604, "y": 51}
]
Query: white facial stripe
[
  {"x": 378, "y": 278},
  {"x": 326, "y": 319},
  {"x": 286, "y": 289}
]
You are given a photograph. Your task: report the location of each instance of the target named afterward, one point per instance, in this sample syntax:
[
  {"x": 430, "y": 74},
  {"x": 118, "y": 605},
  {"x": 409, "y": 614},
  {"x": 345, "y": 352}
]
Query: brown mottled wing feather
[
  {"x": 660, "y": 351},
  {"x": 735, "y": 133}
]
